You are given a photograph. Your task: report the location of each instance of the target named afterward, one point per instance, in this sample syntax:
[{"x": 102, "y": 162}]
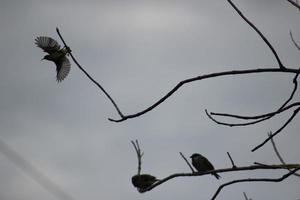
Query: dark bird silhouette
[
  {"x": 56, "y": 55},
  {"x": 202, "y": 164},
  {"x": 143, "y": 181}
]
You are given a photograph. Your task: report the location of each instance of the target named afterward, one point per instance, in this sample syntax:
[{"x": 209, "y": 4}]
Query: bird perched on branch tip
[
  {"x": 143, "y": 181},
  {"x": 202, "y": 164},
  {"x": 55, "y": 54}
]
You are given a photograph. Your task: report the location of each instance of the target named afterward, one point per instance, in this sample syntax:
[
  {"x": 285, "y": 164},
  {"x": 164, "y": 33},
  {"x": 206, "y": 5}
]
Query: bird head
[{"x": 195, "y": 155}]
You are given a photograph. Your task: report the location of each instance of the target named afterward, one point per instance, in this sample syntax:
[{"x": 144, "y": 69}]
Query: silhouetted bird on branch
[
  {"x": 143, "y": 181},
  {"x": 202, "y": 164},
  {"x": 56, "y": 55}
]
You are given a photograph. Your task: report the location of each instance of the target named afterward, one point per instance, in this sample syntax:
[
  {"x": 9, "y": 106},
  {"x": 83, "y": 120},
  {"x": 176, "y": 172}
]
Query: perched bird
[
  {"x": 202, "y": 164},
  {"x": 143, "y": 181},
  {"x": 56, "y": 55}
]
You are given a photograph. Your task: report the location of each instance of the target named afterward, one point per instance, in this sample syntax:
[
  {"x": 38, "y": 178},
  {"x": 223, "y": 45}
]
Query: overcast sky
[{"x": 138, "y": 50}]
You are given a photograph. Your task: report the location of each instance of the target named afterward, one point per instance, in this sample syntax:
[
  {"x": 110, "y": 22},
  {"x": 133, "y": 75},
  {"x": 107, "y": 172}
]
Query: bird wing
[
  {"x": 48, "y": 44},
  {"x": 208, "y": 164},
  {"x": 63, "y": 67}
]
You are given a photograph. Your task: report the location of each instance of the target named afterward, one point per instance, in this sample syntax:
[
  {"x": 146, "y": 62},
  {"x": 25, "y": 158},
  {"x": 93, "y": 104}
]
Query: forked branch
[
  {"x": 257, "y": 118},
  {"x": 139, "y": 154},
  {"x": 278, "y": 131},
  {"x": 255, "y": 180},
  {"x": 281, "y": 69},
  {"x": 245, "y": 168}
]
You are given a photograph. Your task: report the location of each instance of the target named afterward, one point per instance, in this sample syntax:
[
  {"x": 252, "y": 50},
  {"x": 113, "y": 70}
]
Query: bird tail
[{"x": 217, "y": 175}]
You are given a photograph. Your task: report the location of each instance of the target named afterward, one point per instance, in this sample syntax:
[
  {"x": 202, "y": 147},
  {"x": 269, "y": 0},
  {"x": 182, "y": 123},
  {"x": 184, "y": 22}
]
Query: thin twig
[
  {"x": 278, "y": 131},
  {"x": 202, "y": 77},
  {"x": 246, "y": 168},
  {"x": 256, "y": 116},
  {"x": 233, "y": 124},
  {"x": 294, "y": 4},
  {"x": 259, "y": 33},
  {"x": 139, "y": 155},
  {"x": 278, "y": 154},
  {"x": 245, "y": 195},
  {"x": 254, "y": 180},
  {"x": 260, "y": 118},
  {"x": 294, "y": 41},
  {"x": 187, "y": 162},
  {"x": 33, "y": 172},
  {"x": 295, "y": 82},
  {"x": 89, "y": 76},
  {"x": 261, "y": 164},
  {"x": 231, "y": 160}
]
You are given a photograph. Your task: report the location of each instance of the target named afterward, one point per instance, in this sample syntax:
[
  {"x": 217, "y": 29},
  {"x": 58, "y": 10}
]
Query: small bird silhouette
[
  {"x": 202, "y": 164},
  {"x": 56, "y": 55},
  {"x": 143, "y": 181}
]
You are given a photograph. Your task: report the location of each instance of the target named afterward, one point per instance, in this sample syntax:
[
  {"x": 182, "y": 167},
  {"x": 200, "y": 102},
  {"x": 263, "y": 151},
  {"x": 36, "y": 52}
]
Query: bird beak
[{"x": 42, "y": 59}]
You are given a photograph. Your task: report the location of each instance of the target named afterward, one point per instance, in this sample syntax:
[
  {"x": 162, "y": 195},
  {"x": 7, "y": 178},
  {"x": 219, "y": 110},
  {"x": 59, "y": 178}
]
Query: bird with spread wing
[{"x": 55, "y": 54}]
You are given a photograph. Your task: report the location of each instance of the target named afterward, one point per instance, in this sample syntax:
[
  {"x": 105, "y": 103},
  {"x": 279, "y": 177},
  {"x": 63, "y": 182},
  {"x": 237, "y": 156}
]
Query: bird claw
[{"x": 68, "y": 49}]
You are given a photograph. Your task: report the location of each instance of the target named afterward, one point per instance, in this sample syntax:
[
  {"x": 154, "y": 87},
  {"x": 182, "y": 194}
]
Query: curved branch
[
  {"x": 259, "y": 33},
  {"x": 260, "y": 118},
  {"x": 202, "y": 77},
  {"x": 278, "y": 131},
  {"x": 246, "y": 168},
  {"x": 89, "y": 76},
  {"x": 234, "y": 124},
  {"x": 257, "y": 116},
  {"x": 294, "y": 41},
  {"x": 282, "y": 68},
  {"x": 181, "y": 83},
  {"x": 254, "y": 180}
]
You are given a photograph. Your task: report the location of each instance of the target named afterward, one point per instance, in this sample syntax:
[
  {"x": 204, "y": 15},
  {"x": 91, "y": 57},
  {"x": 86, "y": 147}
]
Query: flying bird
[
  {"x": 202, "y": 164},
  {"x": 56, "y": 55},
  {"x": 143, "y": 181}
]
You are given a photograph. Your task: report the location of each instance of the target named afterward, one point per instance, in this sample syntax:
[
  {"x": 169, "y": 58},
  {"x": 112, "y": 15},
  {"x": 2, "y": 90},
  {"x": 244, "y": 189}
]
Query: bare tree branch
[
  {"x": 231, "y": 160},
  {"x": 295, "y": 82},
  {"x": 294, "y": 4},
  {"x": 256, "y": 116},
  {"x": 245, "y": 195},
  {"x": 202, "y": 77},
  {"x": 278, "y": 154},
  {"x": 225, "y": 73},
  {"x": 258, "y": 32},
  {"x": 246, "y": 168},
  {"x": 233, "y": 124},
  {"x": 89, "y": 76},
  {"x": 254, "y": 180},
  {"x": 260, "y": 118},
  {"x": 187, "y": 162},
  {"x": 234, "y": 72},
  {"x": 294, "y": 42},
  {"x": 139, "y": 155},
  {"x": 278, "y": 131}
]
